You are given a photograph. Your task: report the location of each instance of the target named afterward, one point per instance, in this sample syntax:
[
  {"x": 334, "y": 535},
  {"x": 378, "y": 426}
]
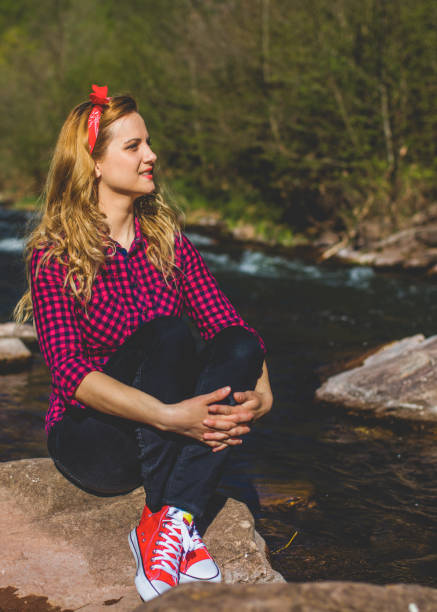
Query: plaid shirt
[{"x": 127, "y": 292}]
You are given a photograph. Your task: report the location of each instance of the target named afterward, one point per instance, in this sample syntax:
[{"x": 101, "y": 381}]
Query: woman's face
[{"x": 126, "y": 167}]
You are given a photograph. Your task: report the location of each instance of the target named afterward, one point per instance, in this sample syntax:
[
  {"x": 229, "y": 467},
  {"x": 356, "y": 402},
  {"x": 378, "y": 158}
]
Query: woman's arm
[
  {"x": 108, "y": 395},
  {"x": 204, "y": 301},
  {"x": 81, "y": 383}
]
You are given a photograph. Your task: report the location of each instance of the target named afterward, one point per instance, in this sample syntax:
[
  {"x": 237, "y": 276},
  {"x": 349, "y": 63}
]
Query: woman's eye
[{"x": 134, "y": 146}]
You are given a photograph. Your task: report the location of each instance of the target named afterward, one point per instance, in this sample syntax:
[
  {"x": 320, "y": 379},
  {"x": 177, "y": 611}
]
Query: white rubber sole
[
  {"x": 145, "y": 588},
  {"x": 183, "y": 578}
]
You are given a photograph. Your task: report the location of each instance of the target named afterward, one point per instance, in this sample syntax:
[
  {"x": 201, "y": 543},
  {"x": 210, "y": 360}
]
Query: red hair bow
[{"x": 99, "y": 97}]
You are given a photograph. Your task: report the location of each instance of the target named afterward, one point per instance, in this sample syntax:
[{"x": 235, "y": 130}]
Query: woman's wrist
[
  {"x": 267, "y": 401},
  {"x": 157, "y": 414}
]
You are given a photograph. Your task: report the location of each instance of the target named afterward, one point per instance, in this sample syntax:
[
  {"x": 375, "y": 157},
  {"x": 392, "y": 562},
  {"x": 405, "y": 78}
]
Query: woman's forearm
[{"x": 108, "y": 395}]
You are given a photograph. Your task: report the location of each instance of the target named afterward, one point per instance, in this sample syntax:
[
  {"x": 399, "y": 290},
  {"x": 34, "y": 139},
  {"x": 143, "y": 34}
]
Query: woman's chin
[{"x": 148, "y": 190}]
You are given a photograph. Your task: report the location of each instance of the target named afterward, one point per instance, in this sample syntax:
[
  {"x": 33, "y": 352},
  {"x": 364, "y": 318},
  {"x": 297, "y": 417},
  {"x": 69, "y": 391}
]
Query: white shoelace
[
  {"x": 196, "y": 540},
  {"x": 171, "y": 549}
]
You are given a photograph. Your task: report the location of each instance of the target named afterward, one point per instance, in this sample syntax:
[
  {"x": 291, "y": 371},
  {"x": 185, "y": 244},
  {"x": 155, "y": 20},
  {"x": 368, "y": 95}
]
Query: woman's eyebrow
[{"x": 131, "y": 139}]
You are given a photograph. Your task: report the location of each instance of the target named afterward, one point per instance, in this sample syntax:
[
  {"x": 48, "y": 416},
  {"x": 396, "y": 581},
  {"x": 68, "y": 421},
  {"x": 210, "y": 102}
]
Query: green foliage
[{"x": 273, "y": 111}]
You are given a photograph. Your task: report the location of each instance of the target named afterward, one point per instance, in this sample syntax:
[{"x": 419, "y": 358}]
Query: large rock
[
  {"x": 60, "y": 542},
  {"x": 400, "y": 380},
  {"x": 14, "y": 355},
  {"x": 414, "y": 248},
  {"x": 309, "y": 597},
  {"x": 24, "y": 331}
]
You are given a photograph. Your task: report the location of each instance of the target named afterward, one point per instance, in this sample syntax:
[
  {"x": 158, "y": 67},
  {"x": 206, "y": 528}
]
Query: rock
[
  {"x": 327, "y": 239},
  {"x": 244, "y": 231},
  {"x": 412, "y": 249},
  {"x": 427, "y": 235},
  {"x": 421, "y": 260},
  {"x": 71, "y": 547},
  {"x": 399, "y": 380},
  {"x": 352, "y": 256},
  {"x": 24, "y": 331},
  {"x": 388, "y": 258},
  {"x": 14, "y": 355},
  {"x": 295, "y": 597}
]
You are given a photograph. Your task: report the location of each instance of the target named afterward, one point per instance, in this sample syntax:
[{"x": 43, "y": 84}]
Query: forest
[{"x": 295, "y": 115}]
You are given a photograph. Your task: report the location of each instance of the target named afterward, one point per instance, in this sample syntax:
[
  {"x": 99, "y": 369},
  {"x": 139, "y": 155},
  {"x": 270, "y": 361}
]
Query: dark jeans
[{"x": 108, "y": 455}]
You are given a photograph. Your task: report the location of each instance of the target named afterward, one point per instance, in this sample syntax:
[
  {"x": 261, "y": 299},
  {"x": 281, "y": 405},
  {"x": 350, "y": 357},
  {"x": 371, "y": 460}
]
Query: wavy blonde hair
[{"x": 71, "y": 224}]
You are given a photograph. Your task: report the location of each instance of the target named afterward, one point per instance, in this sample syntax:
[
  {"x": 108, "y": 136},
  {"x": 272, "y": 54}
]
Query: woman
[{"x": 133, "y": 402}]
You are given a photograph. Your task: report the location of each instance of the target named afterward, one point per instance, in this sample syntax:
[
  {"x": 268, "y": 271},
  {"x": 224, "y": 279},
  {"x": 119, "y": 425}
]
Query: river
[{"x": 361, "y": 495}]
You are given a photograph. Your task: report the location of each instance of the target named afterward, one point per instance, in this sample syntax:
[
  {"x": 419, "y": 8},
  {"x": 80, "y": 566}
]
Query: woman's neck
[{"x": 121, "y": 223}]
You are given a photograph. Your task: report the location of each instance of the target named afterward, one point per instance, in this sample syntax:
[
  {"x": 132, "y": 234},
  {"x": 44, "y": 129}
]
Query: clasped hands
[
  {"x": 216, "y": 425},
  {"x": 226, "y": 424}
]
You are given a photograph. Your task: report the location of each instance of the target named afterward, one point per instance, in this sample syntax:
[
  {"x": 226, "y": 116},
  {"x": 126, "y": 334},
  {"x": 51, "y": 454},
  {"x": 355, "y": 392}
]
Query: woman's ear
[{"x": 97, "y": 170}]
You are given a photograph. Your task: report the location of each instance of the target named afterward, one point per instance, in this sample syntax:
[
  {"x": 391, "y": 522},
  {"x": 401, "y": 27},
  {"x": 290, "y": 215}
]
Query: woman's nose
[{"x": 149, "y": 155}]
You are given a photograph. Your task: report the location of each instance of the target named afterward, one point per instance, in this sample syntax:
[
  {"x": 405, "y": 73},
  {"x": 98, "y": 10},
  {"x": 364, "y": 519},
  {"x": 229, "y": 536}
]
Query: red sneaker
[
  {"x": 158, "y": 544},
  {"x": 197, "y": 563}
]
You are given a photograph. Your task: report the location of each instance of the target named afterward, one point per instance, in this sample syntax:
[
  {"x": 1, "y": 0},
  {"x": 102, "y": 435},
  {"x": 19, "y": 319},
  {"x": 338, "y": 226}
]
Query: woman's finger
[
  {"x": 235, "y": 417},
  {"x": 219, "y": 448},
  {"x": 213, "y": 443},
  {"x": 220, "y": 445},
  {"x": 216, "y": 396},
  {"x": 215, "y": 435},
  {"x": 241, "y": 396},
  {"x": 220, "y": 423},
  {"x": 238, "y": 431},
  {"x": 220, "y": 409}
]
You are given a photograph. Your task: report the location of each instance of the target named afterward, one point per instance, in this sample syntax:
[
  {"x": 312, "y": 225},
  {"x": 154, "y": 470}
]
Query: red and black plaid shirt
[{"x": 127, "y": 291}]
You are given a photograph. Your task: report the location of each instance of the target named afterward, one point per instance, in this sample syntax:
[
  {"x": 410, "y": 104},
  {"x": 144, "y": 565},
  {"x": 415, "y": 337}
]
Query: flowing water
[{"x": 359, "y": 495}]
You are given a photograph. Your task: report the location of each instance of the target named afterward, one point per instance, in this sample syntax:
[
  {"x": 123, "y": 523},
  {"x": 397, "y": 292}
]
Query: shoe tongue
[{"x": 180, "y": 515}]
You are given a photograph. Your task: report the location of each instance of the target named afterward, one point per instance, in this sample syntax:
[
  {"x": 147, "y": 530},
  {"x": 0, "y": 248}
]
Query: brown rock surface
[
  {"x": 400, "y": 380},
  {"x": 308, "y": 597},
  {"x": 71, "y": 547}
]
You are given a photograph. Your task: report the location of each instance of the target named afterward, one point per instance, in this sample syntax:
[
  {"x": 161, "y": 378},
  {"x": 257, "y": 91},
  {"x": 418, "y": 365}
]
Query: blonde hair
[{"x": 71, "y": 224}]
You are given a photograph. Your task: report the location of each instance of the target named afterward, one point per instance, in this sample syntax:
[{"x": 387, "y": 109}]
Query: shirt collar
[{"x": 138, "y": 241}]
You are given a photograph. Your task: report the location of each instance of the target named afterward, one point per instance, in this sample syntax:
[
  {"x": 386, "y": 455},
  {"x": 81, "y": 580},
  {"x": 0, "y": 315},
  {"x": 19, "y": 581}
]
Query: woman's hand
[
  {"x": 188, "y": 417},
  {"x": 255, "y": 403}
]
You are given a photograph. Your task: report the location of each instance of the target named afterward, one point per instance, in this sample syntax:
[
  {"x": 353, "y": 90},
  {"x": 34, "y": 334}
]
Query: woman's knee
[
  {"x": 173, "y": 331},
  {"x": 235, "y": 344},
  {"x": 96, "y": 454}
]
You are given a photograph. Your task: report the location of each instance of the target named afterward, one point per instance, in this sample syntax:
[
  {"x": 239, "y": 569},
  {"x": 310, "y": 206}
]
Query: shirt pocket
[{"x": 107, "y": 324}]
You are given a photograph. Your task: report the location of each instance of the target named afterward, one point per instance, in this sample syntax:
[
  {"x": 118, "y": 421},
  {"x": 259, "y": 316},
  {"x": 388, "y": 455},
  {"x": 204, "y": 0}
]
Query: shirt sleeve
[
  {"x": 57, "y": 327},
  {"x": 204, "y": 301}
]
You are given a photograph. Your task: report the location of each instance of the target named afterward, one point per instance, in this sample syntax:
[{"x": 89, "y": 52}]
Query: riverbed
[{"x": 358, "y": 497}]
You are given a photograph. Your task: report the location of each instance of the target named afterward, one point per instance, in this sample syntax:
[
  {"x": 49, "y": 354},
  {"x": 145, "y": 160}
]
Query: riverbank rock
[
  {"x": 295, "y": 597},
  {"x": 400, "y": 380},
  {"x": 24, "y": 331},
  {"x": 71, "y": 547},
  {"x": 14, "y": 355},
  {"x": 412, "y": 249}
]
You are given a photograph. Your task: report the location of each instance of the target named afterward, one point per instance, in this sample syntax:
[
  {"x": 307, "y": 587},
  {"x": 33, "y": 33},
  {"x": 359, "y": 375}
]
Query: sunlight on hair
[{"x": 72, "y": 229}]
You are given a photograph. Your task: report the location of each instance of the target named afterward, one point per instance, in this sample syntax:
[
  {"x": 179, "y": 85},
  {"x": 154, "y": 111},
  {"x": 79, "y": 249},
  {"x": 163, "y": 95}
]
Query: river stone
[
  {"x": 399, "y": 380},
  {"x": 308, "y": 597},
  {"x": 413, "y": 248},
  {"x": 13, "y": 330},
  {"x": 14, "y": 355},
  {"x": 60, "y": 542}
]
